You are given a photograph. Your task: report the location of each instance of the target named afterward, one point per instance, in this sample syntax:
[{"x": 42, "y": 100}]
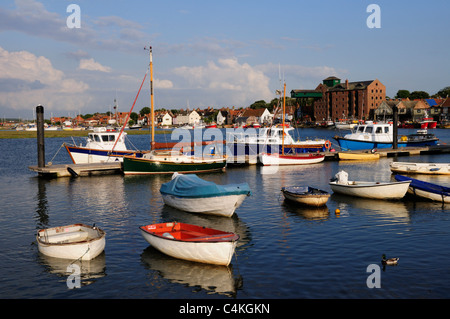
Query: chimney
[{"x": 346, "y": 84}]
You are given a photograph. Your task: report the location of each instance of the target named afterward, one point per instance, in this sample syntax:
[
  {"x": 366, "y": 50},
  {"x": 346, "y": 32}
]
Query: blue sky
[{"x": 210, "y": 53}]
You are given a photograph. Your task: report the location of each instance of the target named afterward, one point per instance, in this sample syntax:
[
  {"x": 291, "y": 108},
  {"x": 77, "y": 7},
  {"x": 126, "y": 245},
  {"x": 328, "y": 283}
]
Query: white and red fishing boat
[
  {"x": 290, "y": 158},
  {"x": 192, "y": 242}
]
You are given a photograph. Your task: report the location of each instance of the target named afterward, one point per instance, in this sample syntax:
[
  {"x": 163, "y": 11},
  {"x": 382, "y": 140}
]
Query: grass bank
[{"x": 62, "y": 133}]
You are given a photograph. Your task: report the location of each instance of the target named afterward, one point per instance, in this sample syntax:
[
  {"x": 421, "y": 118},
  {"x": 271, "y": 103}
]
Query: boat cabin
[
  {"x": 105, "y": 139},
  {"x": 381, "y": 132}
]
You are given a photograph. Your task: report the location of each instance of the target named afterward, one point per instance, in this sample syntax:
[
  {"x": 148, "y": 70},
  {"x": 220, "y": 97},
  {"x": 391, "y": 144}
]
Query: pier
[{"x": 75, "y": 170}]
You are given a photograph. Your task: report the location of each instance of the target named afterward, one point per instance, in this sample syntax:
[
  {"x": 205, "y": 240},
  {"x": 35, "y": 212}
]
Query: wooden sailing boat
[
  {"x": 168, "y": 161},
  {"x": 289, "y": 159}
]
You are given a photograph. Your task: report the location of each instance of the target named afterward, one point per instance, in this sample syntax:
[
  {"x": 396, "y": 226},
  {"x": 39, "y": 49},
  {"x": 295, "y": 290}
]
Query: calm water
[{"x": 284, "y": 252}]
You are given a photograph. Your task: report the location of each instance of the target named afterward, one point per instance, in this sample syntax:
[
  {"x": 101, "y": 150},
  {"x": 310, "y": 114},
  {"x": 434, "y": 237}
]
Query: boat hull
[
  {"x": 277, "y": 159},
  {"x": 354, "y": 145},
  {"x": 254, "y": 149},
  {"x": 420, "y": 168},
  {"x": 374, "y": 190},
  {"x": 219, "y": 206},
  {"x": 76, "y": 241},
  {"x": 308, "y": 198},
  {"x": 143, "y": 166},
  {"x": 82, "y": 155},
  {"x": 426, "y": 190},
  {"x": 217, "y": 252},
  {"x": 358, "y": 156}
]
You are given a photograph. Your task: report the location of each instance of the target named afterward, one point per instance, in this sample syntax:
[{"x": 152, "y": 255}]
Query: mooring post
[
  {"x": 40, "y": 135},
  {"x": 395, "y": 127}
]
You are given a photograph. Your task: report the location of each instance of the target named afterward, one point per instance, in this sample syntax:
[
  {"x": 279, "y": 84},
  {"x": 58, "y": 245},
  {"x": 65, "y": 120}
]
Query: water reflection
[
  {"x": 305, "y": 212},
  {"x": 90, "y": 270},
  {"x": 212, "y": 278},
  {"x": 41, "y": 204}
]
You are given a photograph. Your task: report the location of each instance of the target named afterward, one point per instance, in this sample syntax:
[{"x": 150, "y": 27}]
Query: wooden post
[
  {"x": 395, "y": 127},
  {"x": 40, "y": 135}
]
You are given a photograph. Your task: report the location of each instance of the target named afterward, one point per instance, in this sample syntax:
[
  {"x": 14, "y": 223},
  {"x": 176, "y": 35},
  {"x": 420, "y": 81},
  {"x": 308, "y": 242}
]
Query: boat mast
[
  {"x": 284, "y": 105},
  {"x": 152, "y": 145}
]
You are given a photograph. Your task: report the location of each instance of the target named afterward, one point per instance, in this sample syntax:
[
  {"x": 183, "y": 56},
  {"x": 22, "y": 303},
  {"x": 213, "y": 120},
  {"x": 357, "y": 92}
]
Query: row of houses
[
  {"x": 415, "y": 110},
  {"x": 223, "y": 116}
]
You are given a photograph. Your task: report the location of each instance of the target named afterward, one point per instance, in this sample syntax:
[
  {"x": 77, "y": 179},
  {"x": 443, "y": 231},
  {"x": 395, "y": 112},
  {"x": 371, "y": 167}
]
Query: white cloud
[
  {"x": 32, "y": 80},
  {"x": 91, "y": 65},
  {"x": 226, "y": 81}
]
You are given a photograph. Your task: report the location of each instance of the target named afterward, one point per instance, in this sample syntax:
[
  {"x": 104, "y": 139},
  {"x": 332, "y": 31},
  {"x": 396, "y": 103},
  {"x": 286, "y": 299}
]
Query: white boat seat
[{"x": 65, "y": 237}]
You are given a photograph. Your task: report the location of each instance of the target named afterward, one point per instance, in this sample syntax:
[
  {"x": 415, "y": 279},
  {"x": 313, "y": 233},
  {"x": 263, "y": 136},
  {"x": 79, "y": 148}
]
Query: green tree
[
  {"x": 134, "y": 116},
  {"x": 445, "y": 92},
  {"x": 403, "y": 94},
  {"x": 145, "y": 110},
  {"x": 259, "y": 104},
  {"x": 419, "y": 95}
]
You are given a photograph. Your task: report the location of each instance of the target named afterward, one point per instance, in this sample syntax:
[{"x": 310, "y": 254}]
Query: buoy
[{"x": 337, "y": 211}]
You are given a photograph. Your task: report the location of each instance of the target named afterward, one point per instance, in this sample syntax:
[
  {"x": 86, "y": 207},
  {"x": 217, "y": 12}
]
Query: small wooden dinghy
[
  {"x": 77, "y": 241},
  {"x": 359, "y": 156},
  {"x": 191, "y": 242},
  {"x": 306, "y": 195},
  {"x": 420, "y": 168}
]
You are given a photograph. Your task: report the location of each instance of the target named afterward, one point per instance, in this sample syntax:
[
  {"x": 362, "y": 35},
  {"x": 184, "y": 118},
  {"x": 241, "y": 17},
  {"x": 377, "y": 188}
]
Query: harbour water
[{"x": 285, "y": 251}]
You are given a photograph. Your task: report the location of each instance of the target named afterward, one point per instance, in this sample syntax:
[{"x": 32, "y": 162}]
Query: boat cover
[
  {"x": 190, "y": 185},
  {"x": 425, "y": 186}
]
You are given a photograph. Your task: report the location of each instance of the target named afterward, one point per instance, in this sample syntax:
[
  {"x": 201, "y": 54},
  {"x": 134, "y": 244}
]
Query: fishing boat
[
  {"x": 420, "y": 168},
  {"x": 426, "y": 190},
  {"x": 193, "y": 194},
  {"x": 306, "y": 195},
  {"x": 289, "y": 157},
  {"x": 77, "y": 241},
  {"x": 102, "y": 145},
  {"x": 367, "y": 189},
  {"x": 169, "y": 161},
  {"x": 359, "y": 156},
  {"x": 192, "y": 242},
  {"x": 380, "y": 135}
]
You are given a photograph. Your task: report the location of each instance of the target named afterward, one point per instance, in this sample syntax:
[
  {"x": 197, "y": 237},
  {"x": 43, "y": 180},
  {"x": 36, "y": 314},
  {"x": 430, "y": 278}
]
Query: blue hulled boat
[
  {"x": 371, "y": 135},
  {"x": 426, "y": 190}
]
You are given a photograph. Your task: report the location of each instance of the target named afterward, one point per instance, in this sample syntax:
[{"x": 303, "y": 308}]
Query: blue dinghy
[
  {"x": 427, "y": 190},
  {"x": 190, "y": 193}
]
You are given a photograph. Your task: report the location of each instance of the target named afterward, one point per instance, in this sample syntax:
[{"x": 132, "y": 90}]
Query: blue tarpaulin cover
[{"x": 190, "y": 185}]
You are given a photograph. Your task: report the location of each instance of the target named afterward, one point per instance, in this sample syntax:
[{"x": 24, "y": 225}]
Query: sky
[{"x": 210, "y": 53}]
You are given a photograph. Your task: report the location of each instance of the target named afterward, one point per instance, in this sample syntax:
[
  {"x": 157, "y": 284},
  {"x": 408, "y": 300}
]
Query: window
[
  {"x": 112, "y": 138},
  {"x": 379, "y": 130},
  {"x": 369, "y": 129},
  {"x": 96, "y": 138}
]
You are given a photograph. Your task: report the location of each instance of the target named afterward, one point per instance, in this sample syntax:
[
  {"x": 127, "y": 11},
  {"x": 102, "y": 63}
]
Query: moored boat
[
  {"x": 368, "y": 189},
  {"x": 380, "y": 135},
  {"x": 306, "y": 195},
  {"x": 193, "y": 194},
  {"x": 77, "y": 241},
  {"x": 102, "y": 145},
  {"x": 420, "y": 168},
  {"x": 426, "y": 190},
  {"x": 191, "y": 242},
  {"x": 290, "y": 159},
  {"x": 358, "y": 156}
]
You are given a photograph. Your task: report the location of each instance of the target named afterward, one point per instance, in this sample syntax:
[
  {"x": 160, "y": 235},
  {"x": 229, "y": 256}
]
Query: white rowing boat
[
  {"x": 77, "y": 241},
  {"x": 420, "y": 168},
  {"x": 368, "y": 189},
  {"x": 191, "y": 242}
]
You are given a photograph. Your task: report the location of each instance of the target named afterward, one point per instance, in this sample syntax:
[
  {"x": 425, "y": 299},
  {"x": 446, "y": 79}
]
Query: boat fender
[{"x": 72, "y": 172}]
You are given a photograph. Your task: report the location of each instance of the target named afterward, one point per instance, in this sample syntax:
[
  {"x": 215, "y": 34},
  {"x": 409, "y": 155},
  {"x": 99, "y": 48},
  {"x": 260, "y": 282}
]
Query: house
[
  {"x": 188, "y": 117},
  {"x": 221, "y": 117},
  {"x": 445, "y": 106},
  {"x": 164, "y": 119},
  {"x": 260, "y": 116}
]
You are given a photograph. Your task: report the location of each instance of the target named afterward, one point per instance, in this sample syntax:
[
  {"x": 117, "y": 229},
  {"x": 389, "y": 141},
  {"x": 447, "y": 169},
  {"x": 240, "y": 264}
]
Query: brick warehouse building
[{"x": 349, "y": 100}]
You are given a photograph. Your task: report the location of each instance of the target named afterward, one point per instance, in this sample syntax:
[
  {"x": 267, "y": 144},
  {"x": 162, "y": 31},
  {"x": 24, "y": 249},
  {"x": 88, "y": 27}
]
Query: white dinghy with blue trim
[{"x": 188, "y": 192}]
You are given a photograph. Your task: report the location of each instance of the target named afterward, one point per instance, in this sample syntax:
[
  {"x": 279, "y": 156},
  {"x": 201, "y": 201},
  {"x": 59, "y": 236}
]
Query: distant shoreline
[{"x": 62, "y": 133}]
